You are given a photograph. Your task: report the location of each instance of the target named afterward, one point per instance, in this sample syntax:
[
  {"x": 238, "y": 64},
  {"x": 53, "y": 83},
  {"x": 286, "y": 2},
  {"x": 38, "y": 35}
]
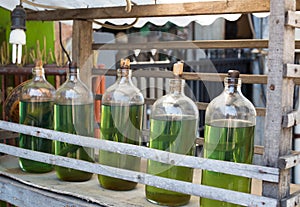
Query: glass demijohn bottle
[
  {"x": 74, "y": 114},
  {"x": 173, "y": 128},
  {"x": 121, "y": 121},
  {"x": 229, "y": 136},
  {"x": 36, "y": 109}
]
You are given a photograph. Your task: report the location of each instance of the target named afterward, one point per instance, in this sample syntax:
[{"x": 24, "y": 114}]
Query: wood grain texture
[
  {"x": 82, "y": 52},
  {"x": 159, "y": 10},
  {"x": 280, "y": 91},
  {"x": 246, "y": 170},
  {"x": 127, "y": 201}
]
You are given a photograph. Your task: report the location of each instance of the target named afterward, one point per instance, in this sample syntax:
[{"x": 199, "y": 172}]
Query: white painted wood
[
  {"x": 160, "y": 182},
  {"x": 246, "y": 170}
]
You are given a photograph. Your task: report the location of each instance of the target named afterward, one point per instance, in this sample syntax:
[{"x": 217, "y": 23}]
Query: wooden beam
[
  {"x": 196, "y": 44},
  {"x": 203, "y": 44},
  {"x": 280, "y": 91},
  {"x": 158, "y": 10},
  {"x": 82, "y": 52}
]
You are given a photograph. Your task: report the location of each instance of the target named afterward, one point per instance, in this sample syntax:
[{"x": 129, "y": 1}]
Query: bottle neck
[
  {"x": 124, "y": 75},
  {"x": 177, "y": 86},
  {"x": 73, "y": 74},
  {"x": 233, "y": 85},
  {"x": 38, "y": 74}
]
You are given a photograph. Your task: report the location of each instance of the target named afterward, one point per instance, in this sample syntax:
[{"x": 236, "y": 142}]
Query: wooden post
[
  {"x": 82, "y": 52},
  {"x": 278, "y": 140}
]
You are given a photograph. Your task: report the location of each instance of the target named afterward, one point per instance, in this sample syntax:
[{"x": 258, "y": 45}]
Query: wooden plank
[
  {"x": 157, "y": 181},
  {"x": 27, "y": 70},
  {"x": 246, "y": 170},
  {"x": 214, "y": 77},
  {"x": 279, "y": 95},
  {"x": 293, "y": 19},
  {"x": 154, "y": 10},
  {"x": 291, "y": 71},
  {"x": 289, "y": 161},
  {"x": 292, "y": 200},
  {"x": 194, "y": 44},
  {"x": 82, "y": 54},
  {"x": 291, "y": 119},
  {"x": 22, "y": 195}
]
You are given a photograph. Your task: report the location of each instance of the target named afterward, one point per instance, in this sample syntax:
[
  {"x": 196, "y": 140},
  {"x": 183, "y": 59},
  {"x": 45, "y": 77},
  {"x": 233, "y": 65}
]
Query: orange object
[{"x": 99, "y": 88}]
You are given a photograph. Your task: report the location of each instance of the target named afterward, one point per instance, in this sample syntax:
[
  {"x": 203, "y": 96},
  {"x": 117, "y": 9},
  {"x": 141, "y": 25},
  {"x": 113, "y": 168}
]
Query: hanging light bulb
[{"x": 17, "y": 35}]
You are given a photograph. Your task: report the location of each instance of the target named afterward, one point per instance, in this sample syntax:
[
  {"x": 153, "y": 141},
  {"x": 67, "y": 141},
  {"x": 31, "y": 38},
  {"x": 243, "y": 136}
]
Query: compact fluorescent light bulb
[
  {"x": 17, "y": 35},
  {"x": 17, "y": 38}
]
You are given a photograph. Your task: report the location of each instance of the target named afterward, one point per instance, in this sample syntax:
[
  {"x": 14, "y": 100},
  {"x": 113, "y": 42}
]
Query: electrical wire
[{"x": 61, "y": 44}]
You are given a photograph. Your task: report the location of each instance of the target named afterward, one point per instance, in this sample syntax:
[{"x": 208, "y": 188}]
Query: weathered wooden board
[
  {"x": 280, "y": 90},
  {"x": 159, "y": 10},
  {"x": 82, "y": 53},
  {"x": 252, "y": 171},
  {"x": 195, "y": 44},
  {"x": 91, "y": 191}
]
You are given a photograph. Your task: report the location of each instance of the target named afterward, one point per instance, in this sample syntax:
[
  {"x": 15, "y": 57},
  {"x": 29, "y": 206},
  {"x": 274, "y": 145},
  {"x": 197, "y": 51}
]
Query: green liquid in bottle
[
  {"x": 39, "y": 114},
  {"x": 74, "y": 119},
  {"x": 173, "y": 135},
  {"x": 228, "y": 140},
  {"x": 120, "y": 124}
]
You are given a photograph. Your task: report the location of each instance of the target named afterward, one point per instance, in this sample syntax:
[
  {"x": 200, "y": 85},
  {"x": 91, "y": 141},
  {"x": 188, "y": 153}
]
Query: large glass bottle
[
  {"x": 228, "y": 136},
  {"x": 173, "y": 128},
  {"x": 74, "y": 114},
  {"x": 36, "y": 109},
  {"x": 121, "y": 121}
]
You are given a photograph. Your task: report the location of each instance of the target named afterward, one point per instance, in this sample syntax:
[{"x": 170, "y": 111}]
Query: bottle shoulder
[
  {"x": 73, "y": 91},
  {"x": 123, "y": 93},
  {"x": 175, "y": 105},
  {"x": 230, "y": 105},
  {"x": 40, "y": 89}
]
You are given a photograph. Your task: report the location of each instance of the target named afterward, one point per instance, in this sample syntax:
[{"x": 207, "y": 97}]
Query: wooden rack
[{"x": 282, "y": 76}]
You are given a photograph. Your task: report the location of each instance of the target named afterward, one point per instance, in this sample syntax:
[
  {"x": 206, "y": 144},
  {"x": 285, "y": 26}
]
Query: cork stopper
[
  {"x": 39, "y": 64},
  {"x": 125, "y": 64},
  {"x": 233, "y": 73},
  {"x": 233, "y": 76},
  {"x": 178, "y": 68},
  {"x": 73, "y": 67}
]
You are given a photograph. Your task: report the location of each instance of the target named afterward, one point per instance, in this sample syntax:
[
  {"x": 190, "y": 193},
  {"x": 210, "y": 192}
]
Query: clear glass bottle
[
  {"x": 229, "y": 136},
  {"x": 173, "y": 128},
  {"x": 121, "y": 121},
  {"x": 36, "y": 109},
  {"x": 74, "y": 114}
]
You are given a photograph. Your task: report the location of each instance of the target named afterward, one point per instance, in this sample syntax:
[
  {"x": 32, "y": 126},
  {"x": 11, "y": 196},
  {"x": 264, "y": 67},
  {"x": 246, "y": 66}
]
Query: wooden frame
[{"x": 280, "y": 88}]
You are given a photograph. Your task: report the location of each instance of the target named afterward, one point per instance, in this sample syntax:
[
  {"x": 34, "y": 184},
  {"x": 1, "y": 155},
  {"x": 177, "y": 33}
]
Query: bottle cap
[
  {"x": 73, "y": 67},
  {"x": 233, "y": 76},
  {"x": 233, "y": 73}
]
